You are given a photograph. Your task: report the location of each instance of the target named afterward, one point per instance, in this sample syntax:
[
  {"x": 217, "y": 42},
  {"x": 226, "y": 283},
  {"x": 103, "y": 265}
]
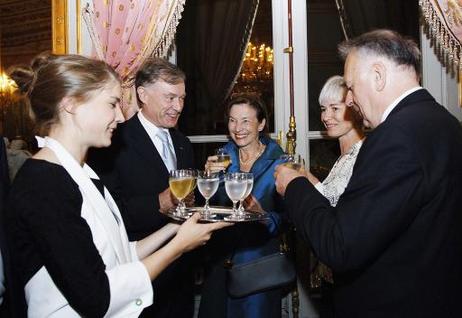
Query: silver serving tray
[{"x": 217, "y": 214}]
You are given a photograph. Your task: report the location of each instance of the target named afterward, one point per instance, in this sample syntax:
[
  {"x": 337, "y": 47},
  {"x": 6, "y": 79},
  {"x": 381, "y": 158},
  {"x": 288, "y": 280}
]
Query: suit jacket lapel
[{"x": 139, "y": 139}]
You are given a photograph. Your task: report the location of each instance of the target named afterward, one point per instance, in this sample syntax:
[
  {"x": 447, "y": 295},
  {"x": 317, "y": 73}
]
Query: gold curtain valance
[{"x": 444, "y": 27}]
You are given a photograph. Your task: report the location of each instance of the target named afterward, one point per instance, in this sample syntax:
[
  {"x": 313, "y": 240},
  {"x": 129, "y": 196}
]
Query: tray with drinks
[{"x": 216, "y": 214}]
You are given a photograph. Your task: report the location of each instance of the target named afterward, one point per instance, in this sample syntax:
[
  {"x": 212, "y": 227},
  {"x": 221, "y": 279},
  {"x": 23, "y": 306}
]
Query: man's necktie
[{"x": 167, "y": 153}]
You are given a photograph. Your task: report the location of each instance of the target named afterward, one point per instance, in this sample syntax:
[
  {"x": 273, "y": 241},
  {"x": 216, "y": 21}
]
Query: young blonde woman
[{"x": 68, "y": 239}]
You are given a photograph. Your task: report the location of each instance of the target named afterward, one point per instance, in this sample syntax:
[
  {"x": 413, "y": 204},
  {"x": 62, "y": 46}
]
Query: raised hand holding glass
[{"x": 295, "y": 162}]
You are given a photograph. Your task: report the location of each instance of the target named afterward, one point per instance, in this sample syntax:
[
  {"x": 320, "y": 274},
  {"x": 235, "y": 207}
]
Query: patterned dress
[
  {"x": 332, "y": 188},
  {"x": 335, "y": 183}
]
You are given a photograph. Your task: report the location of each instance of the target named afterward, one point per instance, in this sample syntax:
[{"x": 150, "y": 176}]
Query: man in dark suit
[
  {"x": 394, "y": 239},
  {"x": 136, "y": 170}
]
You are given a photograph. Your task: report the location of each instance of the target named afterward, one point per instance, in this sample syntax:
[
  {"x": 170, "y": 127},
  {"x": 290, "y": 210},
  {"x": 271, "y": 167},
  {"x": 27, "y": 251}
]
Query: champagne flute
[
  {"x": 207, "y": 183},
  {"x": 181, "y": 182},
  {"x": 247, "y": 192},
  {"x": 235, "y": 186}
]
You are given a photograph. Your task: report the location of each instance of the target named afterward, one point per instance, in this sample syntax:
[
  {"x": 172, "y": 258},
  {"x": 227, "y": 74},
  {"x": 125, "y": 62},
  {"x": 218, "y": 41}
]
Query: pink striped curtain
[{"x": 125, "y": 32}]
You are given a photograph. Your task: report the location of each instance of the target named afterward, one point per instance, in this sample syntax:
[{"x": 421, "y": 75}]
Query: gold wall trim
[
  {"x": 59, "y": 26},
  {"x": 79, "y": 27}
]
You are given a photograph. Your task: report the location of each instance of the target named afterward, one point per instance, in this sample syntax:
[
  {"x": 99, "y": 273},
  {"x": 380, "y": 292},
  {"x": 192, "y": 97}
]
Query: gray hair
[
  {"x": 386, "y": 43},
  {"x": 334, "y": 90}
]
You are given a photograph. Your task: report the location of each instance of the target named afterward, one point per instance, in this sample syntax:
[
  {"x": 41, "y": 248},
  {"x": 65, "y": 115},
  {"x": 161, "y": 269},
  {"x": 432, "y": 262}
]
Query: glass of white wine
[
  {"x": 181, "y": 182},
  {"x": 207, "y": 183},
  {"x": 236, "y": 187},
  {"x": 295, "y": 162},
  {"x": 247, "y": 192},
  {"x": 223, "y": 156}
]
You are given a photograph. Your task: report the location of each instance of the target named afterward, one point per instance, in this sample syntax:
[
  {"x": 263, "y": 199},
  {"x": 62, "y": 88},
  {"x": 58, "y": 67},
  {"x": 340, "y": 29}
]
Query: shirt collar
[
  {"x": 150, "y": 127},
  {"x": 392, "y": 106}
]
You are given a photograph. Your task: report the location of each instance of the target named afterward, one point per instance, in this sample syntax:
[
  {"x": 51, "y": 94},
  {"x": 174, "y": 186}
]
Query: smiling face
[
  {"x": 243, "y": 125},
  {"x": 162, "y": 102},
  {"x": 338, "y": 119},
  {"x": 97, "y": 118}
]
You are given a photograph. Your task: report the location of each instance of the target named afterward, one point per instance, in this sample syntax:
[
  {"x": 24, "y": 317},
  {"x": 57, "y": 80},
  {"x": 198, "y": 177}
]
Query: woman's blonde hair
[
  {"x": 334, "y": 90},
  {"x": 50, "y": 78}
]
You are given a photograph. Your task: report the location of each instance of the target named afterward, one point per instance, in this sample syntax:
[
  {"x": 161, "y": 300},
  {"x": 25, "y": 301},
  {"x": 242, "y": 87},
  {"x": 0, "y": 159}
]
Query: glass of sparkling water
[
  {"x": 236, "y": 187},
  {"x": 207, "y": 183},
  {"x": 247, "y": 192}
]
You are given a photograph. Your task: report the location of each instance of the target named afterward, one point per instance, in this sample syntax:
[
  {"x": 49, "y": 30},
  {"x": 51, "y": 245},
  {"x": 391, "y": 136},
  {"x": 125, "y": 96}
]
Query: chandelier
[
  {"x": 257, "y": 64},
  {"x": 7, "y": 85},
  {"x": 256, "y": 75}
]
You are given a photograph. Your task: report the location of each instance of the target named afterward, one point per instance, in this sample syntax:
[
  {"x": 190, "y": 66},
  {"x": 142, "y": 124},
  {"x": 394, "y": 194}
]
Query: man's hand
[
  {"x": 189, "y": 200},
  {"x": 284, "y": 176},
  {"x": 166, "y": 201},
  {"x": 251, "y": 204}
]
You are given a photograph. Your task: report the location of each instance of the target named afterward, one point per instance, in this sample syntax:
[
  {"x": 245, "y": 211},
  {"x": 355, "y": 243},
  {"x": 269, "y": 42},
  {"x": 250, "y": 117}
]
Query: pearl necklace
[{"x": 261, "y": 148}]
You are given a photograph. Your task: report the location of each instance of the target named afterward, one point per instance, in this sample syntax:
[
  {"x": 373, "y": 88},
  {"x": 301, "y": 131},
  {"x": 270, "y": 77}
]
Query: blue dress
[{"x": 246, "y": 242}]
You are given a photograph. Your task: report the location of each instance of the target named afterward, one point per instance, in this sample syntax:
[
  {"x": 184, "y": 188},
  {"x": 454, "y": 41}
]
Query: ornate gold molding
[{"x": 59, "y": 26}]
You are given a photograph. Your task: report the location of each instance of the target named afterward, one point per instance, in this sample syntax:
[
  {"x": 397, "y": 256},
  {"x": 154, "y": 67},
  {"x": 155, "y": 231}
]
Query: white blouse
[{"x": 335, "y": 183}]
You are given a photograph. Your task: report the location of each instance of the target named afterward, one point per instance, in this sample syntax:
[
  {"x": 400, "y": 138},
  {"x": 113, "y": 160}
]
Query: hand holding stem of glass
[{"x": 181, "y": 182}]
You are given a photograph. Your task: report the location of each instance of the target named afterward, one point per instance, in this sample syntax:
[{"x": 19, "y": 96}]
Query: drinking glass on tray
[
  {"x": 247, "y": 192},
  {"x": 207, "y": 183},
  {"x": 236, "y": 187},
  {"x": 181, "y": 182}
]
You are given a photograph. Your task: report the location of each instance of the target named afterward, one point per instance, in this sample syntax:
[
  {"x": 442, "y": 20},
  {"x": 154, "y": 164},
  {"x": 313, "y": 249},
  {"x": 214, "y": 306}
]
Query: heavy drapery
[
  {"x": 125, "y": 32},
  {"x": 359, "y": 16},
  {"x": 214, "y": 36},
  {"x": 444, "y": 27}
]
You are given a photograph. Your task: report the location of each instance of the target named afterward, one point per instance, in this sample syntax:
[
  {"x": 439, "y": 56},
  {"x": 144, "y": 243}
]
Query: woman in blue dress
[{"x": 250, "y": 151}]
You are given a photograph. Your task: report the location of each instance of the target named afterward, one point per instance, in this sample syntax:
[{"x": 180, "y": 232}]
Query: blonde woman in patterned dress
[{"x": 345, "y": 124}]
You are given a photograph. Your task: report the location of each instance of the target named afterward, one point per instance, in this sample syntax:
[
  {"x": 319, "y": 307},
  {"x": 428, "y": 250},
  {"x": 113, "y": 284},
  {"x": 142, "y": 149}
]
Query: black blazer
[
  {"x": 394, "y": 240},
  {"x": 134, "y": 173}
]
